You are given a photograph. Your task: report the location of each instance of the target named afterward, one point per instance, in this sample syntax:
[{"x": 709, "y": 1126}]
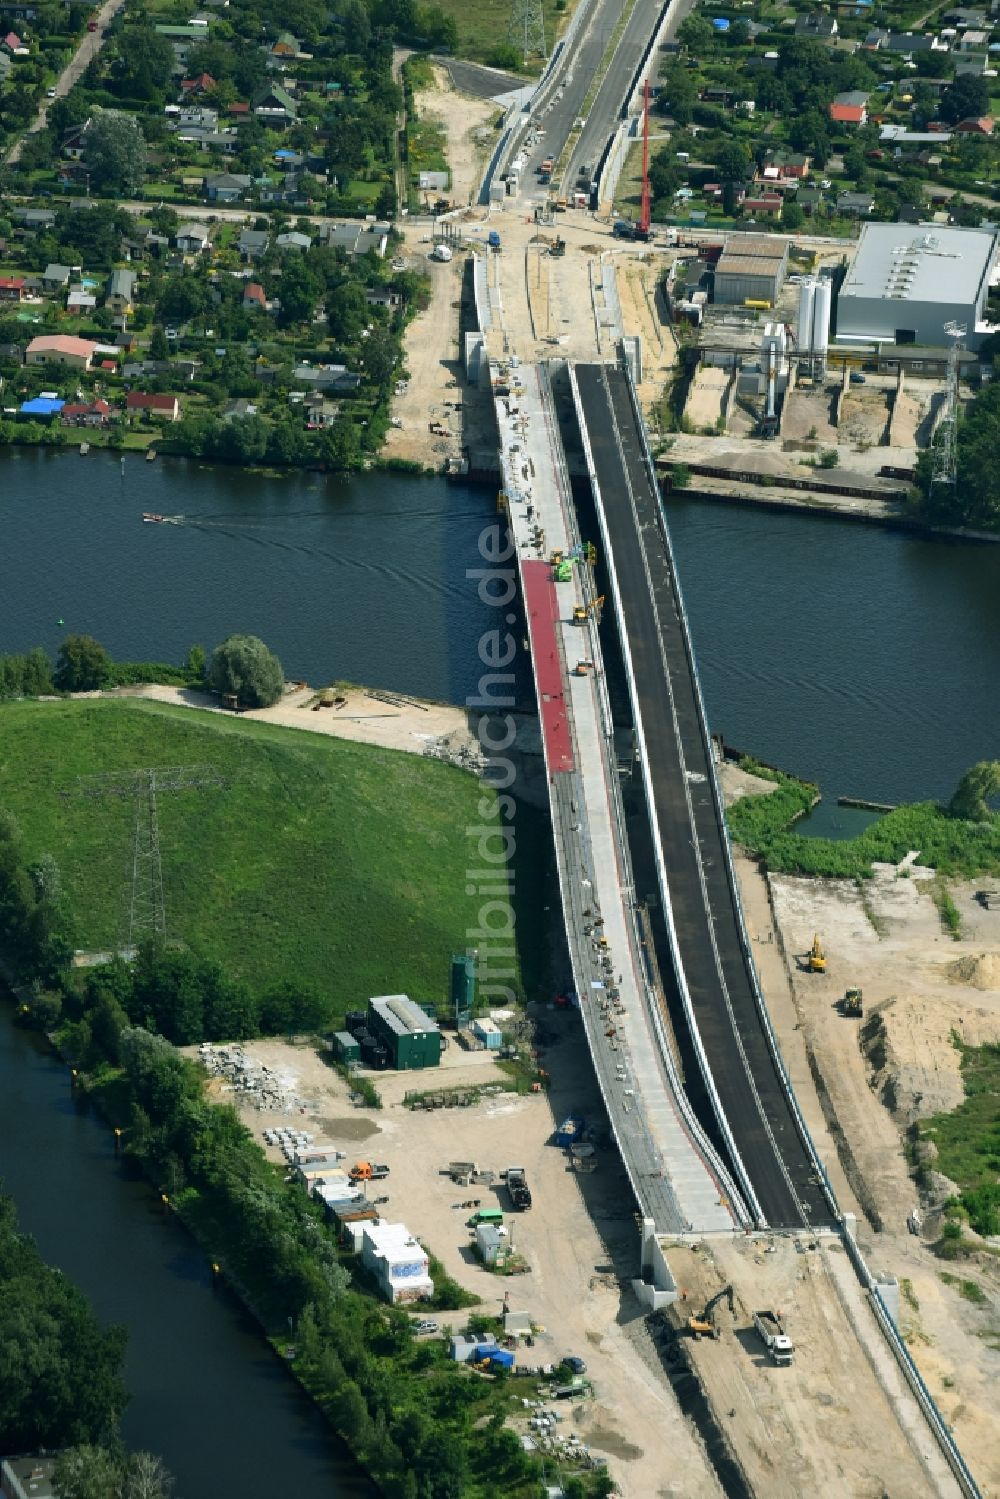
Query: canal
[{"x": 207, "y": 1393}]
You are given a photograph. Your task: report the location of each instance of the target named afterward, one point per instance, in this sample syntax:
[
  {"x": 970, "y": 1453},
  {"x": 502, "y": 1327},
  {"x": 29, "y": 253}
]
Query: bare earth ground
[
  {"x": 432, "y": 363},
  {"x": 864, "y": 414},
  {"x": 579, "y": 1239},
  {"x": 468, "y": 126},
  {"x": 808, "y": 409},
  {"x": 368, "y": 720},
  {"x": 703, "y": 407},
  {"x": 919, "y": 987}
]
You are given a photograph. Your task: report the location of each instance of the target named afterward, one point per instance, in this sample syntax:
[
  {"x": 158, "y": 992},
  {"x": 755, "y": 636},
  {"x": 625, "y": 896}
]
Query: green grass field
[{"x": 338, "y": 863}]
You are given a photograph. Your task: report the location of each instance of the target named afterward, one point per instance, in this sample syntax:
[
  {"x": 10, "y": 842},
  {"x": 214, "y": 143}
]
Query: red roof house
[
  {"x": 191, "y": 87},
  {"x": 86, "y": 413},
  {"x": 11, "y": 288},
  {"x": 254, "y": 296},
  {"x": 982, "y": 126},
  {"x": 12, "y": 42},
  {"x": 848, "y": 114}
]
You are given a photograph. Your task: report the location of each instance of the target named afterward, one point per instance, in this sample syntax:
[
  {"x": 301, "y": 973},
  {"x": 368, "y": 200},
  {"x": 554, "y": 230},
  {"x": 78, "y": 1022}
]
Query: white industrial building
[
  {"x": 398, "y": 1263},
  {"x": 909, "y": 281}
]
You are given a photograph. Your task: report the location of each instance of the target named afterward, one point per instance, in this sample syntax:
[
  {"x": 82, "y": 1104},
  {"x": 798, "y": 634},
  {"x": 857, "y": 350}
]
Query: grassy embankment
[
  {"x": 335, "y": 863},
  {"x": 968, "y": 1139}
]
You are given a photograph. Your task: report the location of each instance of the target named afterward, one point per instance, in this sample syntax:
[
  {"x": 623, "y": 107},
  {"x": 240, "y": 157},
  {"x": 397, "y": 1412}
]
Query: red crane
[{"x": 645, "y": 207}]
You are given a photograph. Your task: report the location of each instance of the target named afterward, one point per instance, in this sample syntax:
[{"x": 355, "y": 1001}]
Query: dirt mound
[{"x": 981, "y": 970}]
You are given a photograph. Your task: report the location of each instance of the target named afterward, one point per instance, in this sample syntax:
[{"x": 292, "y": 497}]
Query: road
[
  {"x": 687, "y": 823},
  {"x": 88, "y": 49}
]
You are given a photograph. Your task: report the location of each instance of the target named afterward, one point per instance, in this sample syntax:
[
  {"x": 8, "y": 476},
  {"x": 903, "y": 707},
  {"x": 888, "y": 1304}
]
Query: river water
[{"x": 865, "y": 660}]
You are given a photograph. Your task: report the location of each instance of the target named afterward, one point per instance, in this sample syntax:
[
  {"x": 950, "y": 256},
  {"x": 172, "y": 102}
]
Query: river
[{"x": 863, "y": 659}]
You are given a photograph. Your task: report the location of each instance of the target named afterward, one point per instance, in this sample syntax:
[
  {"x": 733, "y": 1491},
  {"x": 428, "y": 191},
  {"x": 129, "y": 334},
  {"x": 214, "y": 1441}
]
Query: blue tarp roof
[{"x": 42, "y": 406}]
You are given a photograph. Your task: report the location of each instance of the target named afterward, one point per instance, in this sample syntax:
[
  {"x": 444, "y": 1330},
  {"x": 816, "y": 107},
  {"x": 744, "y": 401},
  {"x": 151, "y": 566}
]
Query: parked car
[
  {"x": 857, "y": 378},
  {"x": 427, "y": 1326},
  {"x": 575, "y": 1365}
]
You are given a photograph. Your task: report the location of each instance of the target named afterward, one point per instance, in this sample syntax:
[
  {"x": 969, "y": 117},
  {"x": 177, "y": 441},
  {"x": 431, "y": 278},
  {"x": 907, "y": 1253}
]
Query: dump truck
[
  {"x": 517, "y": 1186},
  {"x": 773, "y": 1336},
  {"x": 853, "y": 1002}
]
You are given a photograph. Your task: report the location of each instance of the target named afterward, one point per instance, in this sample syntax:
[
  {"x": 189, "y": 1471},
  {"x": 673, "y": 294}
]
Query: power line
[{"x": 526, "y": 28}]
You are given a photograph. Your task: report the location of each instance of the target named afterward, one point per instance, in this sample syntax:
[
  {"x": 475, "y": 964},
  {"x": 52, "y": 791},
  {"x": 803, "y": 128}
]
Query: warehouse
[
  {"x": 410, "y": 1037},
  {"x": 908, "y": 282},
  {"x": 751, "y": 269},
  {"x": 397, "y": 1262}
]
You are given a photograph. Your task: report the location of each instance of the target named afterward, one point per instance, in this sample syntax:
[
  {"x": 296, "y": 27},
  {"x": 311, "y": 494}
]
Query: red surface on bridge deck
[{"x": 541, "y": 605}]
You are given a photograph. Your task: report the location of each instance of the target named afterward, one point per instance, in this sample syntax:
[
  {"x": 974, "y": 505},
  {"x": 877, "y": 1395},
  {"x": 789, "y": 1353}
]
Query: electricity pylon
[{"x": 526, "y": 28}]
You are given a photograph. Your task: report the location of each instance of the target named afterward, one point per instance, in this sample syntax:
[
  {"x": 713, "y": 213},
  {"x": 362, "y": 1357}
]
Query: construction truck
[
  {"x": 703, "y": 1324},
  {"x": 559, "y": 248},
  {"x": 517, "y": 1186},
  {"x": 581, "y": 612},
  {"x": 816, "y": 957},
  {"x": 853, "y": 1003},
  {"x": 773, "y": 1335}
]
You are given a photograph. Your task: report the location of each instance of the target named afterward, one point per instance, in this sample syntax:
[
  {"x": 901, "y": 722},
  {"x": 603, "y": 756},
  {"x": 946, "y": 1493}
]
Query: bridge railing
[{"x": 744, "y": 1200}]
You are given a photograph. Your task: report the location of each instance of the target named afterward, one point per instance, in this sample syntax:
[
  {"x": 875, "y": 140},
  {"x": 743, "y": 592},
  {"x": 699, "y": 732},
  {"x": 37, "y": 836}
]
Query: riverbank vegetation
[
  {"x": 947, "y": 841},
  {"x": 339, "y": 863},
  {"x": 974, "y": 499},
  {"x": 60, "y": 1372}
]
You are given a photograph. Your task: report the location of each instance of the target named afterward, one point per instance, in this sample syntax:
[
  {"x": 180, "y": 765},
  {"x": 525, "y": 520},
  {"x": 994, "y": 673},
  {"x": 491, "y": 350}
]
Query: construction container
[
  {"x": 488, "y": 1032},
  {"x": 501, "y": 1358},
  {"x": 570, "y": 1132},
  {"x": 409, "y": 1037},
  {"x": 346, "y": 1048}
]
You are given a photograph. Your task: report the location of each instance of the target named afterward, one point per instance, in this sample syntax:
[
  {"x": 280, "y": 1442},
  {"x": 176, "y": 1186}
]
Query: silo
[
  {"x": 822, "y": 303},
  {"x": 804, "y": 331}
]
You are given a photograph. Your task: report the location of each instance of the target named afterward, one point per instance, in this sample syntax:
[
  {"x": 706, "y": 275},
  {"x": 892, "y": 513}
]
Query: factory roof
[
  {"x": 761, "y": 246},
  {"x": 402, "y": 1015},
  {"x": 916, "y": 264},
  {"x": 732, "y": 264}
]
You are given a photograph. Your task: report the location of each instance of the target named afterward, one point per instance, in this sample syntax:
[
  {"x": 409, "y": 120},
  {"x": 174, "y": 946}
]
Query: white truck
[{"x": 775, "y": 1339}]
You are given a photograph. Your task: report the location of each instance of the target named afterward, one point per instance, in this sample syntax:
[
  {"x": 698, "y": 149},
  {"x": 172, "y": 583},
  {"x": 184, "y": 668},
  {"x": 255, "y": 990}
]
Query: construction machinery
[
  {"x": 559, "y": 248},
  {"x": 773, "y": 1336},
  {"x": 703, "y": 1324},
  {"x": 582, "y": 612},
  {"x": 816, "y": 957},
  {"x": 853, "y": 1003}
]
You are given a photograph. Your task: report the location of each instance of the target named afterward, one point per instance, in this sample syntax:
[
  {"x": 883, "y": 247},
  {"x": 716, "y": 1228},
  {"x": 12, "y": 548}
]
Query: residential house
[
  {"x": 293, "y": 240},
  {"x": 11, "y": 288},
  {"x": 982, "y": 126},
  {"x": 289, "y": 160},
  {"x": 906, "y": 43},
  {"x": 120, "y": 294},
  {"x": 85, "y": 414},
  {"x": 14, "y": 45},
  {"x": 852, "y": 9},
  {"x": 152, "y": 407},
  {"x": 5, "y": 66},
  {"x": 286, "y": 46},
  {"x": 125, "y": 343},
  {"x": 973, "y": 64},
  {"x": 326, "y": 377},
  {"x": 193, "y": 88},
  {"x": 226, "y": 187},
  {"x": 80, "y": 301},
  {"x": 763, "y": 205},
  {"x": 198, "y": 114},
  {"x": 254, "y": 297},
  {"x": 224, "y": 141},
  {"x": 818, "y": 26},
  {"x": 320, "y": 411},
  {"x": 191, "y": 238},
  {"x": 855, "y": 205},
  {"x": 790, "y": 164},
  {"x": 252, "y": 243},
  {"x": 356, "y": 238},
  {"x": 850, "y": 108},
  {"x": 386, "y": 296},
  {"x": 973, "y": 41},
  {"x": 238, "y": 410},
  {"x": 713, "y": 94},
  {"x": 809, "y": 198},
  {"x": 55, "y": 277},
  {"x": 60, "y": 348},
  {"x": 34, "y": 219},
  {"x": 42, "y": 406},
  {"x": 239, "y": 111},
  {"x": 155, "y": 244},
  {"x": 962, "y": 18},
  {"x": 73, "y": 141},
  {"x": 898, "y": 136},
  {"x": 273, "y": 105}
]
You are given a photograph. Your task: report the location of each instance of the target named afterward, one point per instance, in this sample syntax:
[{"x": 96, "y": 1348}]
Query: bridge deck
[
  {"x": 708, "y": 923},
  {"x": 673, "y": 1183}
]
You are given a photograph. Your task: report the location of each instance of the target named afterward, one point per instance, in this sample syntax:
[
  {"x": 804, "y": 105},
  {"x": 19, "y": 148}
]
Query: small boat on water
[
  {"x": 150, "y": 455},
  {"x": 151, "y": 518},
  {"x": 84, "y": 449}
]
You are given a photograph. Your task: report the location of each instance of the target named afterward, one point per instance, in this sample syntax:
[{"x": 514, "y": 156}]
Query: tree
[
  {"x": 83, "y": 665},
  {"x": 733, "y": 162},
  {"x": 966, "y": 99},
  {"x": 86, "y": 1473},
  {"x": 115, "y": 152},
  {"x": 242, "y": 665},
  {"x": 792, "y": 217},
  {"x": 971, "y": 798},
  {"x": 299, "y": 292},
  {"x": 158, "y": 346},
  {"x": 142, "y": 67},
  {"x": 37, "y": 680},
  {"x": 696, "y": 34}
]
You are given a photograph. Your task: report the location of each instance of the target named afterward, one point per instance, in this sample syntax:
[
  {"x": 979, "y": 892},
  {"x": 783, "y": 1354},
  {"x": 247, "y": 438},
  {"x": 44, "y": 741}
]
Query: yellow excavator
[
  {"x": 816, "y": 957},
  {"x": 703, "y": 1325},
  {"x": 581, "y": 611}
]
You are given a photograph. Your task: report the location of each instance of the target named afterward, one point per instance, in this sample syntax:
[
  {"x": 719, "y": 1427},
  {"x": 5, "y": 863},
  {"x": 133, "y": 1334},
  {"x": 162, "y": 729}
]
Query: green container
[{"x": 463, "y": 987}]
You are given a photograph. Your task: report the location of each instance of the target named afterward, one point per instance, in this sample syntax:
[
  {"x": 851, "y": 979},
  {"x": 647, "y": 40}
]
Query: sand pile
[{"x": 981, "y": 970}]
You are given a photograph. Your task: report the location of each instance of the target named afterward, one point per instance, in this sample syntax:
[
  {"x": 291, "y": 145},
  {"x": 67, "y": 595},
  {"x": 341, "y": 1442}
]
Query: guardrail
[{"x": 755, "y": 1212}]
